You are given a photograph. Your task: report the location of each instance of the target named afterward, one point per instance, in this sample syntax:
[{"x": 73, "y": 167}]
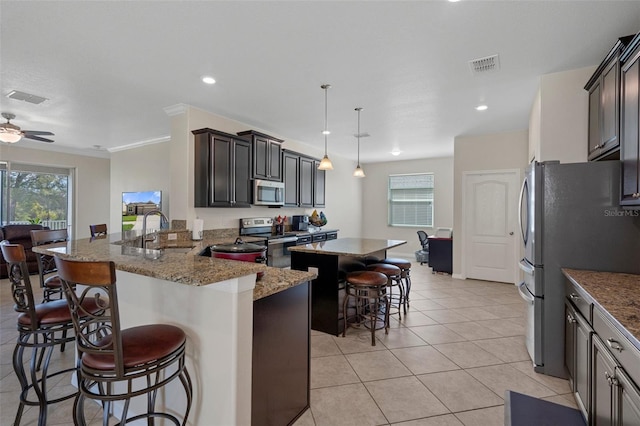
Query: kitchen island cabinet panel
[
  {"x": 281, "y": 354},
  {"x": 333, "y": 259}
]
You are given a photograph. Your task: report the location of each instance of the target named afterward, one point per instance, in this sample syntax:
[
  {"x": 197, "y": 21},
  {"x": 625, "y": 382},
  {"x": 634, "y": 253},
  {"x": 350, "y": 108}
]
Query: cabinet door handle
[
  {"x": 570, "y": 319},
  {"x": 614, "y": 344},
  {"x": 574, "y": 296},
  {"x": 596, "y": 147},
  {"x": 611, "y": 379}
]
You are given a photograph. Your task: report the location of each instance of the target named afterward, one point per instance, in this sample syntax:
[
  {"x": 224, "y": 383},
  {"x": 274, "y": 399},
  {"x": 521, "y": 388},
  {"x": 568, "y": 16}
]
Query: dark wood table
[{"x": 333, "y": 259}]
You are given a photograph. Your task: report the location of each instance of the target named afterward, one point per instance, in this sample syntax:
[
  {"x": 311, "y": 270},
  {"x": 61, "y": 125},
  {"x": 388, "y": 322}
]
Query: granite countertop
[
  {"x": 618, "y": 294},
  {"x": 358, "y": 247},
  {"x": 181, "y": 266}
]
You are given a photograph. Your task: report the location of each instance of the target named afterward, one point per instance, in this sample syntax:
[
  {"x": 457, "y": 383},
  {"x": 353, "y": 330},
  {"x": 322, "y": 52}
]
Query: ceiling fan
[{"x": 11, "y": 133}]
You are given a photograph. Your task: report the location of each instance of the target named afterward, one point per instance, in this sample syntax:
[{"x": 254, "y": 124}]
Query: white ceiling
[{"x": 109, "y": 68}]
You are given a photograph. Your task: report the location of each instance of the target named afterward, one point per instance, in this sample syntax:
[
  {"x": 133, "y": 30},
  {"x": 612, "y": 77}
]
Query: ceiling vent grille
[
  {"x": 485, "y": 65},
  {"x": 26, "y": 97}
]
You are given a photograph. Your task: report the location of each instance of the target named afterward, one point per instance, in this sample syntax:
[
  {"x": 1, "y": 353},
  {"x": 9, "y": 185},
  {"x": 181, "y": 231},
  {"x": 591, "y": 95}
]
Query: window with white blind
[{"x": 411, "y": 200}]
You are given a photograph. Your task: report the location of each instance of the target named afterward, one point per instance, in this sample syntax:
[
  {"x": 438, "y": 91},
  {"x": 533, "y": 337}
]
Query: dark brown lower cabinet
[
  {"x": 616, "y": 399},
  {"x": 577, "y": 351},
  {"x": 281, "y": 356}
]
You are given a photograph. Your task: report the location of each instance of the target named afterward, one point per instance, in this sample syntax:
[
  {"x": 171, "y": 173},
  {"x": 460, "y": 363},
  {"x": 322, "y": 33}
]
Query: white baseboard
[{"x": 458, "y": 277}]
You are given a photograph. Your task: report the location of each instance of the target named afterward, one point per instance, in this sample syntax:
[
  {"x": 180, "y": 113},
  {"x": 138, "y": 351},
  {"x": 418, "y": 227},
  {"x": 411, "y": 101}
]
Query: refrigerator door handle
[
  {"x": 523, "y": 231},
  {"x": 525, "y": 294},
  {"x": 526, "y": 267}
]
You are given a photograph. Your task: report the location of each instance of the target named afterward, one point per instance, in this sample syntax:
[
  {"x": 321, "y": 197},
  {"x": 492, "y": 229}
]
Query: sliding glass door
[{"x": 35, "y": 194}]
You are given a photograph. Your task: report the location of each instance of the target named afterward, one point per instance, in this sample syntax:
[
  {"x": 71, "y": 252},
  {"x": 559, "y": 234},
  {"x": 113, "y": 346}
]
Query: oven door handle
[{"x": 282, "y": 240}]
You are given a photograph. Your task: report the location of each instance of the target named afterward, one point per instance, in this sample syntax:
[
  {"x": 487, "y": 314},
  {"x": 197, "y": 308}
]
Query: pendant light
[
  {"x": 358, "y": 172},
  {"x": 325, "y": 163}
]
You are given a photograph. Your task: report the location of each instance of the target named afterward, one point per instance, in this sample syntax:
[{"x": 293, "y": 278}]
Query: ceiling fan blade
[
  {"x": 36, "y": 132},
  {"x": 37, "y": 138}
]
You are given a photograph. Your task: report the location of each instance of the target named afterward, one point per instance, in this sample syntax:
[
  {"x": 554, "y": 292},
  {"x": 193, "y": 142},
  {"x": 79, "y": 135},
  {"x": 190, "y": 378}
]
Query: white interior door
[{"x": 490, "y": 219}]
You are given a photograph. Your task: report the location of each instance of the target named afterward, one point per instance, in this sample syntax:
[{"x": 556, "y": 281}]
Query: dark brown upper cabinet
[
  {"x": 267, "y": 152},
  {"x": 304, "y": 184},
  {"x": 604, "y": 105},
  {"x": 629, "y": 124},
  {"x": 222, "y": 169}
]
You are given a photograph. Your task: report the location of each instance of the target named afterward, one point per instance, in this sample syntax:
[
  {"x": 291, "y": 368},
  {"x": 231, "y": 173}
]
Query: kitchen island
[
  {"x": 333, "y": 259},
  {"x": 237, "y": 345}
]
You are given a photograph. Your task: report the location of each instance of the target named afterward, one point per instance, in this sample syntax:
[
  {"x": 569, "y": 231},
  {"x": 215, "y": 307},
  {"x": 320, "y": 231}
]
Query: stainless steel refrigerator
[{"x": 569, "y": 218}]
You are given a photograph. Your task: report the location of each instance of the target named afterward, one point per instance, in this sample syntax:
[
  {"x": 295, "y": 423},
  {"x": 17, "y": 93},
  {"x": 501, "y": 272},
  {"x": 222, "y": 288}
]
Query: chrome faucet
[{"x": 163, "y": 220}]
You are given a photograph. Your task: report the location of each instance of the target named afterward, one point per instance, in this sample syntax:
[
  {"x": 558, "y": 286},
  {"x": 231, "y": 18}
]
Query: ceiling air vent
[
  {"x": 27, "y": 97},
  {"x": 485, "y": 65}
]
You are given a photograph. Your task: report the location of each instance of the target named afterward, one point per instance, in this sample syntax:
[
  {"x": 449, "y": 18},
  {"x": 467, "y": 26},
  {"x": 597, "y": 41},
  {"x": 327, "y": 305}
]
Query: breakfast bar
[
  {"x": 231, "y": 320},
  {"x": 332, "y": 260}
]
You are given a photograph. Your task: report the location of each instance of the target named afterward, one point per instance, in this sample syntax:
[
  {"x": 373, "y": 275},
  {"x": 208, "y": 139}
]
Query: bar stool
[
  {"x": 368, "y": 290},
  {"x": 98, "y": 230},
  {"x": 46, "y": 265},
  {"x": 116, "y": 364},
  {"x": 405, "y": 269},
  {"x": 41, "y": 328},
  {"x": 394, "y": 279}
]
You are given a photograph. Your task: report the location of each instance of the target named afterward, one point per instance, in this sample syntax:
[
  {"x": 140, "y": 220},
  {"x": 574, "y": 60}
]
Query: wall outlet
[{"x": 172, "y": 236}]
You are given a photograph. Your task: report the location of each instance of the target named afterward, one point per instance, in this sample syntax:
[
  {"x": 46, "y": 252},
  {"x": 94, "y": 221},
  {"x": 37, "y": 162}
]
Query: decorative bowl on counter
[{"x": 319, "y": 222}]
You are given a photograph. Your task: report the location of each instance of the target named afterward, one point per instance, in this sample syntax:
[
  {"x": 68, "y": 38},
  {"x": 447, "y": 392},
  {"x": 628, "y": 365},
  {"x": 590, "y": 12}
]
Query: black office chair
[{"x": 422, "y": 255}]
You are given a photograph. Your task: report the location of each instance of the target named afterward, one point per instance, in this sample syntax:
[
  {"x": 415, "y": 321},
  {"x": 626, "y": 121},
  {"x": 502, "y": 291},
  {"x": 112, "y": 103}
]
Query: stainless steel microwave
[{"x": 268, "y": 193}]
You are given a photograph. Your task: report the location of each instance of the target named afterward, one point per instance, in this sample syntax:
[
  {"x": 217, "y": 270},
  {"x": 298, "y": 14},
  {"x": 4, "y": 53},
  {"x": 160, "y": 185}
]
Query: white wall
[
  {"x": 560, "y": 117},
  {"x": 139, "y": 169},
  {"x": 91, "y": 187},
  {"x": 485, "y": 152},
  {"x": 374, "y": 200}
]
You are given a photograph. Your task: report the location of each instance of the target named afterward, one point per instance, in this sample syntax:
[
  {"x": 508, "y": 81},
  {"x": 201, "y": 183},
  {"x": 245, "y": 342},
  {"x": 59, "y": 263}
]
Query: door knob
[{"x": 511, "y": 233}]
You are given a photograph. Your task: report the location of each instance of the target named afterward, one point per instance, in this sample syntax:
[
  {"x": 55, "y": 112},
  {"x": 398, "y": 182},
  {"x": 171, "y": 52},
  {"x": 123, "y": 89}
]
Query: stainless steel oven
[{"x": 278, "y": 254}]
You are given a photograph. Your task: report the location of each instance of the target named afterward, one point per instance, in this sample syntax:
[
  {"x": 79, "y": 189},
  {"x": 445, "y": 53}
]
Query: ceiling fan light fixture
[
  {"x": 325, "y": 163},
  {"x": 10, "y": 135}
]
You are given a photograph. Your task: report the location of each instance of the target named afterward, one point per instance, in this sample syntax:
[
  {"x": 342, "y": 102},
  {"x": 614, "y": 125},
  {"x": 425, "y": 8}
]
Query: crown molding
[{"x": 176, "y": 109}]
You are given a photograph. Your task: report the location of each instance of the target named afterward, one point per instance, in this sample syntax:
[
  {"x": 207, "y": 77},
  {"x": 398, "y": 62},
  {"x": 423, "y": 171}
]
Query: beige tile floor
[{"x": 447, "y": 362}]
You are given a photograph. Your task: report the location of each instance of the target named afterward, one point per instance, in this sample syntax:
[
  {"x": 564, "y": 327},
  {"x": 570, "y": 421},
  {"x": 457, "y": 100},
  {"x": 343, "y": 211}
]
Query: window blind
[{"x": 411, "y": 200}]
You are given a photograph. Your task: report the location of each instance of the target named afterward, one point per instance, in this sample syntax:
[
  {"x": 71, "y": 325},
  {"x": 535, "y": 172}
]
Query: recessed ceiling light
[
  {"x": 453, "y": 1},
  {"x": 481, "y": 108},
  {"x": 209, "y": 80},
  {"x": 396, "y": 152}
]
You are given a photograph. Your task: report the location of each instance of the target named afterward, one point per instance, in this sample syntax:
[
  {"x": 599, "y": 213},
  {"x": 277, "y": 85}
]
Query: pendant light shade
[
  {"x": 325, "y": 163},
  {"x": 358, "y": 172}
]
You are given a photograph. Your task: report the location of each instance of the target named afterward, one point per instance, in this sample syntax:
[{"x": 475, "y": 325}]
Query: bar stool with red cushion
[
  {"x": 117, "y": 364},
  {"x": 368, "y": 288},
  {"x": 41, "y": 328},
  {"x": 405, "y": 269},
  {"x": 397, "y": 298},
  {"x": 49, "y": 281}
]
